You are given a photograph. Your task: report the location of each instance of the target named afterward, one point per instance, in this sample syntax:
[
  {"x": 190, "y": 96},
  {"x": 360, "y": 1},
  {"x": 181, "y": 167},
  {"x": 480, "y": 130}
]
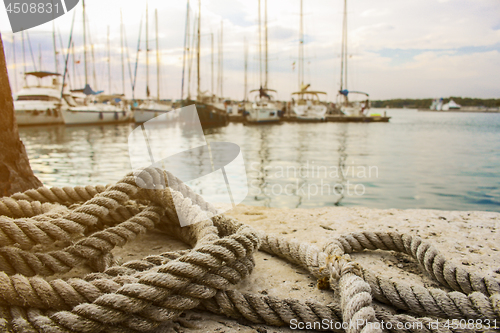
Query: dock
[
  {"x": 238, "y": 118},
  {"x": 358, "y": 119}
]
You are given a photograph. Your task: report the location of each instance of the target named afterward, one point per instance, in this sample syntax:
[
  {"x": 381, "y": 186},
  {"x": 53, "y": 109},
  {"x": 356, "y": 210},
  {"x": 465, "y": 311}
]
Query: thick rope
[{"x": 49, "y": 231}]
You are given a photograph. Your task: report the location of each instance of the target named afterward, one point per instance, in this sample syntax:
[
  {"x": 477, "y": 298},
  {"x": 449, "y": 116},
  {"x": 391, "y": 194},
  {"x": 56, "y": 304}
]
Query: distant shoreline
[
  {"x": 495, "y": 110},
  {"x": 462, "y": 110}
]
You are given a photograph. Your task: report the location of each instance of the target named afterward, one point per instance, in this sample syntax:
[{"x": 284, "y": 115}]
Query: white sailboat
[
  {"x": 264, "y": 108},
  {"x": 307, "y": 106},
  {"x": 85, "y": 106},
  {"x": 39, "y": 102},
  {"x": 359, "y": 104},
  {"x": 151, "y": 108}
]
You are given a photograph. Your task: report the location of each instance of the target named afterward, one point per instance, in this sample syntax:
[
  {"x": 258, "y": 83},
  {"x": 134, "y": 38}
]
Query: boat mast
[
  {"x": 109, "y": 64},
  {"x": 55, "y": 46},
  {"x": 31, "y": 51},
  {"x": 94, "y": 77},
  {"x": 65, "y": 55},
  {"x": 157, "y": 57},
  {"x": 74, "y": 64},
  {"x": 260, "y": 49},
  {"x": 190, "y": 58},
  {"x": 343, "y": 64},
  {"x": 265, "y": 32},
  {"x": 186, "y": 41},
  {"x": 40, "y": 56},
  {"x": 136, "y": 61},
  {"x": 123, "y": 60},
  {"x": 246, "y": 70},
  {"x": 218, "y": 66},
  {"x": 24, "y": 52},
  {"x": 212, "y": 58},
  {"x": 84, "y": 44},
  {"x": 198, "y": 50},
  {"x": 147, "y": 51},
  {"x": 301, "y": 50},
  {"x": 14, "y": 55},
  {"x": 221, "y": 59}
]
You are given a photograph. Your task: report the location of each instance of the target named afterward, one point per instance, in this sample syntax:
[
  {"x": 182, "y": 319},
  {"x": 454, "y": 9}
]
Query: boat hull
[
  {"x": 74, "y": 116},
  {"x": 314, "y": 113},
  {"x": 143, "y": 115},
  {"x": 39, "y": 113},
  {"x": 259, "y": 116},
  {"x": 209, "y": 115}
]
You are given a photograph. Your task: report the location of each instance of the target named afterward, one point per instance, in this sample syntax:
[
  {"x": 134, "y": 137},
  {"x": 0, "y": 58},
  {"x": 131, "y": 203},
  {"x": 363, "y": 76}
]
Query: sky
[{"x": 397, "y": 49}]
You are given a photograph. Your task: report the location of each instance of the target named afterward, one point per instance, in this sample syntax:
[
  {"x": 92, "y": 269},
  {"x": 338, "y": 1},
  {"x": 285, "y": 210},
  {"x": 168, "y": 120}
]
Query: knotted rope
[{"x": 44, "y": 232}]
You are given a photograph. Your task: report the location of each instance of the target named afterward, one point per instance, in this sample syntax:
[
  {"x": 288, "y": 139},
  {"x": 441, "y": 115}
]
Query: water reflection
[
  {"x": 342, "y": 151},
  {"x": 80, "y": 155}
]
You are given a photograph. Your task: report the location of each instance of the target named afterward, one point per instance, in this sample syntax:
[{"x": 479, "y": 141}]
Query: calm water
[{"x": 418, "y": 160}]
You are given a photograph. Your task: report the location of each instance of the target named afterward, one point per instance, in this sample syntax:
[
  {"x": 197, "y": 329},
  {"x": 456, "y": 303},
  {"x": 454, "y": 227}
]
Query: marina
[{"x": 87, "y": 106}]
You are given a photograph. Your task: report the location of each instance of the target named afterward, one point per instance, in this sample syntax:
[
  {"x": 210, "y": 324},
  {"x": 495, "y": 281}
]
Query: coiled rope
[{"x": 46, "y": 231}]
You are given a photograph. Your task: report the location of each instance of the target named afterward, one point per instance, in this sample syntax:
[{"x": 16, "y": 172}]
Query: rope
[{"x": 45, "y": 232}]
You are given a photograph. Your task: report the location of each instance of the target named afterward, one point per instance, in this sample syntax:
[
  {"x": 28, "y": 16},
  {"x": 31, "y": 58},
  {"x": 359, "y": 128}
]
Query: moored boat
[
  {"x": 149, "y": 109},
  {"x": 264, "y": 109},
  {"x": 349, "y": 105},
  {"x": 308, "y": 106},
  {"x": 39, "y": 102},
  {"x": 82, "y": 109}
]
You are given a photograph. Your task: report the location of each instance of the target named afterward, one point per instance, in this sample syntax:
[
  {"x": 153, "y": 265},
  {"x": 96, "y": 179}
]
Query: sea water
[{"x": 448, "y": 161}]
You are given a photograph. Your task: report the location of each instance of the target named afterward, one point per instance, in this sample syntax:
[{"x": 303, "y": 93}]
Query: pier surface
[{"x": 468, "y": 239}]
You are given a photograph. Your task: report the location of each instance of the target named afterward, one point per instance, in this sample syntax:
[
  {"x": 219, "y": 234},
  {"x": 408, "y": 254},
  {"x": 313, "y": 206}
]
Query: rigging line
[
  {"x": 64, "y": 57},
  {"x": 128, "y": 58},
  {"x": 93, "y": 54},
  {"x": 122, "y": 52},
  {"x": 137, "y": 60},
  {"x": 67, "y": 57},
  {"x": 186, "y": 32},
  {"x": 31, "y": 51}
]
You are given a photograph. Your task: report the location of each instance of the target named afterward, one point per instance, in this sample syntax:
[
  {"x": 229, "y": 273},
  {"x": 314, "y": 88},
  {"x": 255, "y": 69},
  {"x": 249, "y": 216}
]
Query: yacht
[
  {"x": 352, "y": 107},
  {"x": 82, "y": 107},
  {"x": 264, "y": 109},
  {"x": 149, "y": 109},
  {"x": 308, "y": 106},
  {"x": 39, "y": 102}
]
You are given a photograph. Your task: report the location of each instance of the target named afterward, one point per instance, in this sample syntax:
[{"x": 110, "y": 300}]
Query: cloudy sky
[{"x": 397, "y": 49}]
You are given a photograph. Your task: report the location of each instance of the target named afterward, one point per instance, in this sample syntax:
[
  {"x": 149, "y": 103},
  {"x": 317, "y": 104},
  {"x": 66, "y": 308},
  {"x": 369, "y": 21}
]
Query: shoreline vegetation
[{"x": 406, "y": 103}]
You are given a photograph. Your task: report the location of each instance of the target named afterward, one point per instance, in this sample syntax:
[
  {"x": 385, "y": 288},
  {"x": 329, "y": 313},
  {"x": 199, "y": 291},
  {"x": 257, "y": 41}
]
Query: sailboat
[
  {"x": 150, "y": 108},
  {"x": 86, "y": 106},
  {"x": 354, "y": 107},
  {"x": 209, "y": 113},
  {"x": 308, "y": 106},
  {"x": 264, "y": 108}
]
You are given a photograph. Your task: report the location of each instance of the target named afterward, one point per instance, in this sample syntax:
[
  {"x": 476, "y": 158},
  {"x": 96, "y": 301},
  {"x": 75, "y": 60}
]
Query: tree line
[{"x": 426, "y": 103}]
